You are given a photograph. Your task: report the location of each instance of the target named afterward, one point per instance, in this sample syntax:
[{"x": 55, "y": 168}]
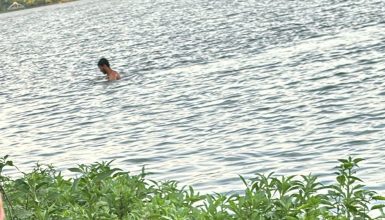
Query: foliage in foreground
[{"x": 103, "y": 192}]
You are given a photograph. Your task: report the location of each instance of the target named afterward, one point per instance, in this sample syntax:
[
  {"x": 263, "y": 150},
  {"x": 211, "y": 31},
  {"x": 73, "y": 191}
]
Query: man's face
[{"x": 101, "y": 68}]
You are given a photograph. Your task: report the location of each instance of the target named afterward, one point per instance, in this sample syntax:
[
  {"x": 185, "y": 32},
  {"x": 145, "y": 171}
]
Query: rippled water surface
[{"x": 210, "y": 89}]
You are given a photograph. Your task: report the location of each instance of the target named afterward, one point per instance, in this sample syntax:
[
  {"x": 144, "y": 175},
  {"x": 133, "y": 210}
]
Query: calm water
[{"x": 210, "y": 89}]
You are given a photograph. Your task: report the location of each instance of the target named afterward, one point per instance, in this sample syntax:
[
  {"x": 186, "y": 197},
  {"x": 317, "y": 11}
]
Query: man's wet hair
[{"x": 103, "y": 61}]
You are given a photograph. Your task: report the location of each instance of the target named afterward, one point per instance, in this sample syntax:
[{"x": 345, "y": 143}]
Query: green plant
[
  {"x": 348, "y": 198},
  {"x": 101, "y": 192}
]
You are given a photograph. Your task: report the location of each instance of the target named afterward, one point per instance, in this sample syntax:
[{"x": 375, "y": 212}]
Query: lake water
[{"x": 210, "y": 90}]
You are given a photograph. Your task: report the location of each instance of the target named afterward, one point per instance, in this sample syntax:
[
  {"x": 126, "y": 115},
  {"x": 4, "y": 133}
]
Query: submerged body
[{"x": 104, "y": 67}]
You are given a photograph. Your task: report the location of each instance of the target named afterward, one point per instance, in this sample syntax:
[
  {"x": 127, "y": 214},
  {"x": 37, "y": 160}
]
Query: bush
[{"x": 103, "y": 192}]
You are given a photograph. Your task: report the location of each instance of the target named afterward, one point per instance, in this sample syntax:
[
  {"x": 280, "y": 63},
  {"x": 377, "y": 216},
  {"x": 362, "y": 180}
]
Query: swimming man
[{"x": 104, "y": 67}]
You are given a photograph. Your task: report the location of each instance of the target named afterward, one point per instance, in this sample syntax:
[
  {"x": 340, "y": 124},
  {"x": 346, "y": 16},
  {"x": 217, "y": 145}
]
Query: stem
[{"x": 348, "y": 194}]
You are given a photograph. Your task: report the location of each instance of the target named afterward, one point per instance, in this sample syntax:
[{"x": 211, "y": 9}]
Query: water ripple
[{"x": 210, "y": 89}]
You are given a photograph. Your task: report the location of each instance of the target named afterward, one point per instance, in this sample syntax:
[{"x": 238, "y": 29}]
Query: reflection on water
[{"x": 210, "y": 89}]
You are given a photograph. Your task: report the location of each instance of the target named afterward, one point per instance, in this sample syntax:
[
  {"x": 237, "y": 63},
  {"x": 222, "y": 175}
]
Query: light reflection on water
[{"x": 210, "y": 90}]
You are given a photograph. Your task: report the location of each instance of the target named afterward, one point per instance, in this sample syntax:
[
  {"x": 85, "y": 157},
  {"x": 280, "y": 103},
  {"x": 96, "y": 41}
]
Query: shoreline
[{"x": 26, "y": 7}]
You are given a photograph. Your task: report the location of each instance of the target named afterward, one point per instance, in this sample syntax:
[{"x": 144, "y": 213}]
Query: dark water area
[{"x": 210, "y": 90}]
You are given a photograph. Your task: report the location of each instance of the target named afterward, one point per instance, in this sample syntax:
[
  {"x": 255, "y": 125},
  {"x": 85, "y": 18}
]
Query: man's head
[{"x": 103, "y": 64}]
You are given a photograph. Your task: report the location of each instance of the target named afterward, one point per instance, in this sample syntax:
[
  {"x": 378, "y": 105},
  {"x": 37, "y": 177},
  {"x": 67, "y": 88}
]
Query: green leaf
[
  {"x": 338, "y": 191},
  {"x": 40, "y": 185},
  {"x": 355, "y": 178},
  {"x": 75, "y": 170},
  {"x": 341, "y": 180},
  {"x": 102, "y": 176},
  {"x": 358, "y": 186},
  {"x": 22, "y": 213},
  {"x": 243, "y": 180},
  {"x": 120, "y": 174},
  {"x": 351, "y": 208},
  {"x": 357, "y": 160},
  {"x": 379, "y": 198},
  {"x": 378, "y": 206}
]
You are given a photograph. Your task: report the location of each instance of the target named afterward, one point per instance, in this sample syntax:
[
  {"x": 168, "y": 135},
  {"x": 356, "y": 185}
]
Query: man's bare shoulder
[
  {"x": 113, "y": 75},
  {"x": 117, "y": 75}
]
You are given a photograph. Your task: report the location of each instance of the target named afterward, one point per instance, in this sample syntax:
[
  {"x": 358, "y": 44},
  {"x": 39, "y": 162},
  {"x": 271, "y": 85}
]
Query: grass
[{"x": 102, "y": 192}]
